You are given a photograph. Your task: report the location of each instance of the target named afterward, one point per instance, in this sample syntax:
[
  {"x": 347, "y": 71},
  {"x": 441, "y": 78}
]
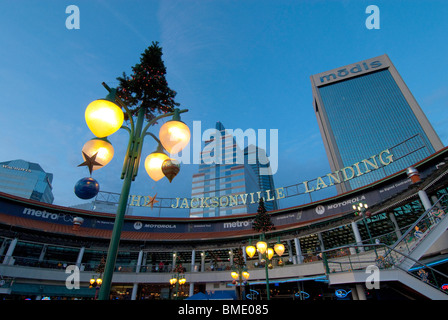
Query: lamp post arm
[
  {"x": 121, "y": 104},
  {"x": 150, "y": 123}
]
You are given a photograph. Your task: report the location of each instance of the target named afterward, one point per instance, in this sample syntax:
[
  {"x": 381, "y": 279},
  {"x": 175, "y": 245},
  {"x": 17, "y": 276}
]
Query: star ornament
[
  {"x": 153, "y": 201},
  {"x": 90, "y": 162}
]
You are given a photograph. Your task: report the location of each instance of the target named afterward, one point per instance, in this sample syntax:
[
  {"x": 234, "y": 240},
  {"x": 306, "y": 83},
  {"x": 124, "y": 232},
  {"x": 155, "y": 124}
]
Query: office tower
[
  {"x": 363, "y": 109},
  {"x": 221, "y": 175},
  {"x": 258, "y": 160},
  {"x": 27, "y": 180}
]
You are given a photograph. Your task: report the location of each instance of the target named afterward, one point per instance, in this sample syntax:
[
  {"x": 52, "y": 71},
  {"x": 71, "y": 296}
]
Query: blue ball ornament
[{"x": 87, "y": 188}]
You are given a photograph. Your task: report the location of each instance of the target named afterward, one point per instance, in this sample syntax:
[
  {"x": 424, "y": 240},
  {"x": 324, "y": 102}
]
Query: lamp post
[
  {"x": 239, "y": 271},
  {"x": 267, "y": 254},
  {"x": 104, "y": 117},
  {"x": 361, "y": 209},
  {"x": 178, "y": 279}
]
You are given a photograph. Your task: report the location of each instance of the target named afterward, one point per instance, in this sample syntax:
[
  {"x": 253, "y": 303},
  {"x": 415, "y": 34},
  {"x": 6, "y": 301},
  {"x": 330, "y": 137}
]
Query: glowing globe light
[
  {"x": 270, "y": 253},
  {"x": 182, "y": 280},
  {"x": 153, "y": 165},
  {"x": 246, "y": 275},
  {"x": 279, "y": 249},
  {"x": 174, "y": 136},
  {"x": 103, "y": 117},
  {"x": 262, "y": 246},
  {"x": 250, "y": 251},
  {"x": 234, "y": 275},
  {"x": 102, "y": 148}
]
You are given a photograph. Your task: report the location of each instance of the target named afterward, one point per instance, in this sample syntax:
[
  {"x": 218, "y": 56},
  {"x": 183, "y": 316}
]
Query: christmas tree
[
  {"x": 147, "y": 86},
  {"x": 262, "y": 221},
  {"x": 238, "y": 260}
]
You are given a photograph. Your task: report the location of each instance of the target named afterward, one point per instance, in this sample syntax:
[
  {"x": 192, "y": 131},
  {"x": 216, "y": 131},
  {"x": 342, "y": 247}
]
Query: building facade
[
  {"x": 363, "y": 109},
  {"x": 220, "y": 174},
  {"x": 27, "y": 180},
  {"x": 256, "y": 157}
]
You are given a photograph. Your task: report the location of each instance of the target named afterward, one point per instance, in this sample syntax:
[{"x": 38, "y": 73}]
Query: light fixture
[
  {"x": 246, "y": 275},
  {"x": 279, "y": 249},
  {"x": 153, "y": 165},
  {"x": 103, "y": 116},
  {"x": 270, "y": 253},
  {"x": 250, "y": 251},
  {"x": 182, "y": 280},
  {"x": 174, "y": 134},
  {"x": 102, "y": 148},
  {"x": 262, "y": 246},
  {"x": 234, "y": 275}
]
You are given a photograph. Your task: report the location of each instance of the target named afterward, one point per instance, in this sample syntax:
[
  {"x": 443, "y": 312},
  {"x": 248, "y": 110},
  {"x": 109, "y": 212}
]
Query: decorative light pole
[
  {"x": 263, "y": 223},
  {"x": 239, "y": 271},
  {"x": 361, "y": 209},
  {"x": 104, "y": 117},
  {"x": 178, "y": 279}
]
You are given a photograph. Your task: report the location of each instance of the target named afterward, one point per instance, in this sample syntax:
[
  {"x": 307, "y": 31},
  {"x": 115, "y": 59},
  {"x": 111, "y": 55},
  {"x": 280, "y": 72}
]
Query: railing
[
  {"x": 344, "y": 259},
  {"x": 422, "y": 227}
]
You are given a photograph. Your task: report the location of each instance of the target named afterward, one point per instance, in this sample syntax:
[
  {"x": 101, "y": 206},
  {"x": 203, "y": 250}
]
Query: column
[
  {"x": 174, "y": 261},
  {"x": 137, "y": 270},
  {"x": 42, "y": 253},
  {"x": 231, "y": 257},
  {"x": 396, "y": 227},
  {"x": 80, "y": 255},
  {"x": 425, "y": 200},
  {"x": 202, "y": 261},
  {"x": 291, "y": 255},
  {"x": 360, "y": 291},
  {"x": 298, "y": 251},
  {"x": 191, "y": 291},
  {"x": 8, "y": 257},
  {"x": 193, "y": 257},
  {"x": 244, "y": 254},
  {"x": 357, "y": 237}
]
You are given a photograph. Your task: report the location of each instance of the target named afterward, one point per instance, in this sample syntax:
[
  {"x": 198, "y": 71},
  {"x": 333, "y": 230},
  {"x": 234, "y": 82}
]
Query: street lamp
[
  {"x": 239, "y": 271},
  {"x": 104, "y": 117},
  {"x": 361, "y": 209},
  {"x": 178, "y": 280},
  {"x": 267, "y": 254}
]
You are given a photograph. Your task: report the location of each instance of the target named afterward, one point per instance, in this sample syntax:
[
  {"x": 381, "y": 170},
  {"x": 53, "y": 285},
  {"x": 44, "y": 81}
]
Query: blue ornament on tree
[{"x": 87, "y": 188}]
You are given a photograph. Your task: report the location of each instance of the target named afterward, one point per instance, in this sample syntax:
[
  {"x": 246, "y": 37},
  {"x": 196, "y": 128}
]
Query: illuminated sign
[
  {"x": 340, "y": 293},
  {"x": 444, "y": 287},
  {"x": 345, "y": 174},
  {"x": 384, "y": 158},
  {"x": 15, "y": 168}
]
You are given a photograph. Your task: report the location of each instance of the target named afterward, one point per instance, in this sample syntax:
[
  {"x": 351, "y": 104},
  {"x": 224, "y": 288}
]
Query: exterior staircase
[{"x": 399, "y": 262}]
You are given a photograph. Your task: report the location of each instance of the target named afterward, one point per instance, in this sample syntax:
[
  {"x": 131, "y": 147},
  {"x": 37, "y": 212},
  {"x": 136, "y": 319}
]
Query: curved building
[{"x": 49, "y": 251}]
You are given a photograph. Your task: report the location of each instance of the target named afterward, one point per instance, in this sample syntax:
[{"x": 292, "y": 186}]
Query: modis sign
[
  {"x": 351, "y": 70},
  {"x": 345, "y": 71}
]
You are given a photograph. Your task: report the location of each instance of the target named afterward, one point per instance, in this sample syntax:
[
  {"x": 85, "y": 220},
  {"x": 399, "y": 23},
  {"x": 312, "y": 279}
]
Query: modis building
[{"x": 364, "y": 108}]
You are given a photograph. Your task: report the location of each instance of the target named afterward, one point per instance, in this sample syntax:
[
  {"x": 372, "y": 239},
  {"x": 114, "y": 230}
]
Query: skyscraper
[
  {"x": 257, "y": 159},
  {"x": 365, "y": 108},
  {"x": 220, "y": 174},
  {"x": 27, "y": 180}
]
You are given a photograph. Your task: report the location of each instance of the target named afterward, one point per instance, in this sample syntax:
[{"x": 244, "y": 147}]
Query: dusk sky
[{"x": 244, "y": 63}]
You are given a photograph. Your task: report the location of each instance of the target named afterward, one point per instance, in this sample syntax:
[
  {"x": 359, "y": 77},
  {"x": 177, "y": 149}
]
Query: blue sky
[{"x": 245, "y": 63}]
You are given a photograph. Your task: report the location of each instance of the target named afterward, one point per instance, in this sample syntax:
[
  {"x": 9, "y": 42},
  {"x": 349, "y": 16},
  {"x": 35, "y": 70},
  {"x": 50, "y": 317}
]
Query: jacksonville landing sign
[{"x": 384, "y": 158}]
